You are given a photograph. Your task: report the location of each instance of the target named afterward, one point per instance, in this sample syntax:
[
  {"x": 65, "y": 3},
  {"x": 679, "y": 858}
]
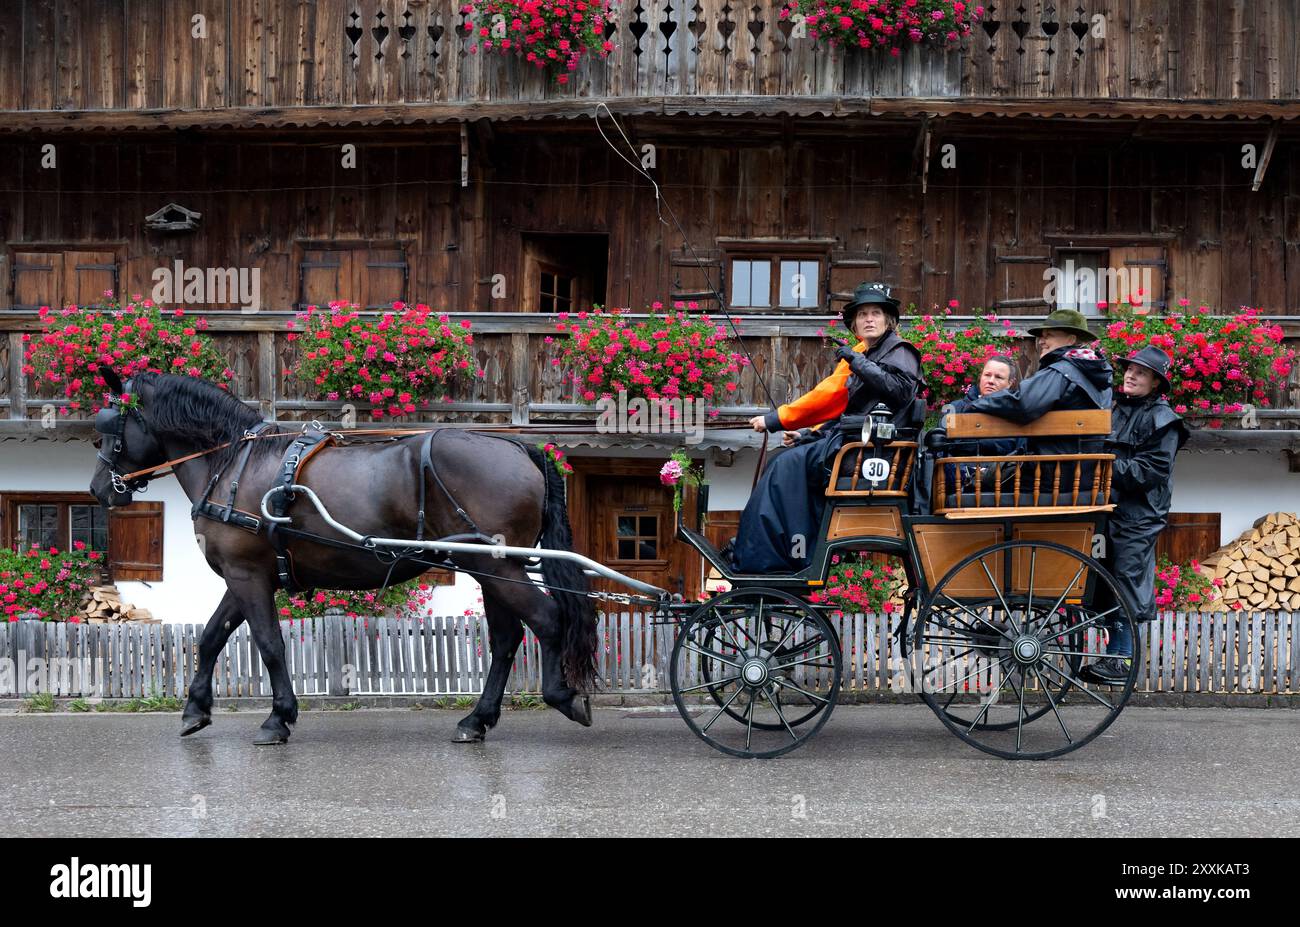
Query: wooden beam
[
  {"x": 1103, "y": 111},
  {"x": 1269, "y": 144}
]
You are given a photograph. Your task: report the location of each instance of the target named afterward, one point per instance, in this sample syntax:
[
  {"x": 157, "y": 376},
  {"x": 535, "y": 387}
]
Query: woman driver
[{"x": 779, "y": 527}]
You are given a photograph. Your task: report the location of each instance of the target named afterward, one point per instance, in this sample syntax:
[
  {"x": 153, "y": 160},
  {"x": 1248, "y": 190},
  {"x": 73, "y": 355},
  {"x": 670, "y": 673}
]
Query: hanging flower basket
[
  {"x": 552, "y": 35},
  {"x": 668, "y": 356},
  {"x": 395, "y": 361},
  {"x": 891, "y": 24},
  {"x": 1221, "y": 364},
  {"x": 75, "y": 344}
]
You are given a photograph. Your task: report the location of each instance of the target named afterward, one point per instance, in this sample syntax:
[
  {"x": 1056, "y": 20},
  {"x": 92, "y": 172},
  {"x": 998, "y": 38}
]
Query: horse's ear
[{"x": 112, "y": 380}]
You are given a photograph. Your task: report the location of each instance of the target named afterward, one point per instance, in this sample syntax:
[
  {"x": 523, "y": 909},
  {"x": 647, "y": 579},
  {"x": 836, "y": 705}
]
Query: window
[
  {"x": 751, "y": 284},
  {"x": 1112, "y": 275},
  {"x": 130, "y": 538},
  {"x": 766, "y": 280},
  {"x": 562, "y": 272},
  {"x": 555, "y": 290},
  {"x": 370, "y": 275},
  {"x": 1082, "y": 282},
  {"x": 638, "y": 537},
  {"x": 72, "y": 276}
]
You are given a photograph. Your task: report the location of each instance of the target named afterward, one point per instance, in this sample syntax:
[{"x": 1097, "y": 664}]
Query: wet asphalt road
[{"x": 879, "y": 770}]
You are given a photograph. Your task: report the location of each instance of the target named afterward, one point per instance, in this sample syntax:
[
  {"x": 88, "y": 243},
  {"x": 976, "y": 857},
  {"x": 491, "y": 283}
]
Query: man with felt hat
[
  {"x": 780, "y": 524},
  {"x": 1145, "y": 436},
  {"x": 1070, "y": 375}
]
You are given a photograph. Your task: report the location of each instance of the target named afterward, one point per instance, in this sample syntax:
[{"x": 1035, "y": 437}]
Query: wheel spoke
[
  {"x": 1051, "y": 701},
  {"x": 963, "y": 640},
  {"x": 780, "y": 714},
  {"x": 1029, "y": 606},
  {"x": 718, "y": 683},
  {"x": 1020, "y": 719},
  {"x": 1079, "y": 685},
  {"x": 1066, "y": 591},
  {"x": 980, "y": 618},
  {"x": 810, "y": 661},
  {"x": 806, "y": 645},
  {"x": 725, "y": 706},
  {"x": 749, "y": 720},
  {"x": 695, "y": 648},
  {"x": 816, "y": 698},
  {"x": 794, "y": 626},
  {"x": 722, "y": 626},
  {"x": 1081, "y": 626},
  {"x": 998, "y": 589}
]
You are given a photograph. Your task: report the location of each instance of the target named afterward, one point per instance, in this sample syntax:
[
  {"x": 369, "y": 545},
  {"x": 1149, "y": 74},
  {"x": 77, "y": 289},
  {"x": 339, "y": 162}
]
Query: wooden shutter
[
  {"x": 327, "y": 275},
  {"x": 1019, "y": 280},
  {"x": 135, "y": 541},
  {"x": 87, "y": 275},
  {"x": 1190, "y": 535},
  {"x": 1138, "y": 261},
  {"x": 382, "y": 277},
  {"x": 38, "y": 279}
]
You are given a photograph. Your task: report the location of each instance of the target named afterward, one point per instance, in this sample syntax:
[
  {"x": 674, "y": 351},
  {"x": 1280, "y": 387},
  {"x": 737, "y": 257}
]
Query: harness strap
[{"x": 464, "y": 516}]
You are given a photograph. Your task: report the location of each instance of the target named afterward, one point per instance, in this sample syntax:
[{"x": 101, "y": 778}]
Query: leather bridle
[{"x": 110, "y": 422}]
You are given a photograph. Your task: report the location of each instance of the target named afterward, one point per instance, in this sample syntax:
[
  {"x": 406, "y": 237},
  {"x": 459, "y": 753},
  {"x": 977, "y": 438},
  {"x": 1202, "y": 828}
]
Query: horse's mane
[{"x": 204, "y": 415}]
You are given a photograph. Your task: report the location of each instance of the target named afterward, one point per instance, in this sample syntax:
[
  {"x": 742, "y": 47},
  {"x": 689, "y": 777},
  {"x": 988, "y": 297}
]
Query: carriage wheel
[
  {"x": 755, "y": 672},
  {"x": 1002, "y": 670}
]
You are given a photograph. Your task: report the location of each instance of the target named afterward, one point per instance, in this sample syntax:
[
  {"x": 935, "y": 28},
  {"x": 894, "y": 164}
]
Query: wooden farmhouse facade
[{"x": 364, "y": 150}]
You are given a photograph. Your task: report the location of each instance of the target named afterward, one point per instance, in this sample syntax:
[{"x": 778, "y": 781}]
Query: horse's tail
[{"x": 577, "y": 612}]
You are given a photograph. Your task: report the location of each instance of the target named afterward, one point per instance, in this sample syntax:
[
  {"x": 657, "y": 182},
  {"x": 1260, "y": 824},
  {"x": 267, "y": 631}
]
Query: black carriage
[{"x": 1005, "y": 598}]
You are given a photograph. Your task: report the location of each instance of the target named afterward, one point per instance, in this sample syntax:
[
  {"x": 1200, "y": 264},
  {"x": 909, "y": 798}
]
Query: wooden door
[
  {"x": 1190, "y": 536},
  {"x": 623, "y": 517}
]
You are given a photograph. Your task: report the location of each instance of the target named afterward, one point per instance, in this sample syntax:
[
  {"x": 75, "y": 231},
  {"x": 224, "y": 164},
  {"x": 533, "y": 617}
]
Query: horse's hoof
[
  {"x": 267, "y": 738},
  {"x": 190, "y": 725},
  {"x": 463, "y": 736},
  {"x": 581, "y": 710}
]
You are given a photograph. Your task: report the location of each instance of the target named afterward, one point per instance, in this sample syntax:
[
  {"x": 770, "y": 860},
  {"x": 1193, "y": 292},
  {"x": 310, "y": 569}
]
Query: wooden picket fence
[{"x": 1239, "y": 652}]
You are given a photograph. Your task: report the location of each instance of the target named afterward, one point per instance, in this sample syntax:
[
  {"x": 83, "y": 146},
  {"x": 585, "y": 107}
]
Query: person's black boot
[
  {"x": 1108, "y": 671},
  {"x": 728, "y": 553}
]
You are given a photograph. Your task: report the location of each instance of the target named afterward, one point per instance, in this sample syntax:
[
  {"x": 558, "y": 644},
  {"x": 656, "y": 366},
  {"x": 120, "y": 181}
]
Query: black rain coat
[
  {"x": 1145, "y": 436},
  {"x": 780, "y": 525}
]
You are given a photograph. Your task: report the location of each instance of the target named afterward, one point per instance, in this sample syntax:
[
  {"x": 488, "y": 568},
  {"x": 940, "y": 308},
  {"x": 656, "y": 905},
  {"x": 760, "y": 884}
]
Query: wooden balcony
[
  {"x": 90, "y": 64},
  {"x": 521, "y": 385}
]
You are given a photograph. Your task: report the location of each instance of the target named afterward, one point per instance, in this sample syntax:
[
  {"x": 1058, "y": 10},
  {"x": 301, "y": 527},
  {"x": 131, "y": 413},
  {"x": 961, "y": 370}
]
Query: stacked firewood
[
  {"x": 1261, "y": 569},
  {"x": 105, "y": 605}
]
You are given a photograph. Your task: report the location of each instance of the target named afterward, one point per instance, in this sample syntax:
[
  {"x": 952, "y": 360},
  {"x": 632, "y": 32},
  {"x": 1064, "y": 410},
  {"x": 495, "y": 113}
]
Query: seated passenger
[
  {"x": 1071, "y": 375},
  {"x": 780, "y": 525},
  {"x": 1145, "y": 437},
  {"x": 999, "y": 373}
]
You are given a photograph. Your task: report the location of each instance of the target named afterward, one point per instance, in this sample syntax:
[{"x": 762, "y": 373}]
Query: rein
[{"x": 151, "y": 473}]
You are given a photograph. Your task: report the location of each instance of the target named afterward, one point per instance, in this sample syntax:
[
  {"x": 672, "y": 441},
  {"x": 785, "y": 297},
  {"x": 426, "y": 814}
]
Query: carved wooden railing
[
  {"x": 399, "y": 52},
  {"x": 521, "y": 384}
]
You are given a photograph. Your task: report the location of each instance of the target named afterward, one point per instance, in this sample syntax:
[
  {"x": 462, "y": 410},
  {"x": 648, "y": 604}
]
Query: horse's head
[{"x": 125, "y": 443}]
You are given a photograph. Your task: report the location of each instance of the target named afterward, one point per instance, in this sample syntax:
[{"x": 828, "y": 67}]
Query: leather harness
[{"x": 306, "y": 445}]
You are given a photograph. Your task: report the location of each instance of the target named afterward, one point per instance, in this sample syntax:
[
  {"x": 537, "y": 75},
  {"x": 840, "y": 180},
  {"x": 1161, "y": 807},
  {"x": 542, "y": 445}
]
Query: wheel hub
[
  {"x": 754, "y": 672},
  {"x": 1027, "y": 650}
]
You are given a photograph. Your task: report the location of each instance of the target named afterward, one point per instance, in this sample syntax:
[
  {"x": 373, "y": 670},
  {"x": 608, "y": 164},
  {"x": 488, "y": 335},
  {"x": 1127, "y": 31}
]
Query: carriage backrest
[{"x": 1070, "y": 423}]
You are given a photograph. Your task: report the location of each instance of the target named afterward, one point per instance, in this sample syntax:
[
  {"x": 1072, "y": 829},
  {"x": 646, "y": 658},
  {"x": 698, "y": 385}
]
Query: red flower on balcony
[{"x": 553, "y": 35}]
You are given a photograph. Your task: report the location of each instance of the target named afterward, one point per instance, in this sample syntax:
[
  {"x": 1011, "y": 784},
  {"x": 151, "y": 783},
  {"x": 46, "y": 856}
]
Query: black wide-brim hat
[
  {"x": 1153, "y": 359},
  {"x": 871, "y": 294}
]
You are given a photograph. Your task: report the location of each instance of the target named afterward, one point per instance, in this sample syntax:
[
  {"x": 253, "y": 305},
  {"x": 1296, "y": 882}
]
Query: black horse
[{"x": 508, "y": 489}]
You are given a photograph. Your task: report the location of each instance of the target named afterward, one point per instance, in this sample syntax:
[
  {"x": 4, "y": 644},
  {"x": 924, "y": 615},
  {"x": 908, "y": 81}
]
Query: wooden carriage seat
[{"x": 1028, "y": 484}]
